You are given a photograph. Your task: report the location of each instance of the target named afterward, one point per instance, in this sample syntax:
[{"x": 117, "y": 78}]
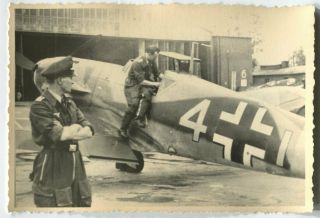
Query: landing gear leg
[{"x": 132, "y": 168}]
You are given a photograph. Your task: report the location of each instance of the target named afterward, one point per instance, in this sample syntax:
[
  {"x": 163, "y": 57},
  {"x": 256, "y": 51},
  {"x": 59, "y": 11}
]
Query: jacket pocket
[
  {"x": 64, "y": 197},
  {"x": 43, "y": 197},
  {"x": 132, "y": 92},
  {"x": 85, "y": 193}
]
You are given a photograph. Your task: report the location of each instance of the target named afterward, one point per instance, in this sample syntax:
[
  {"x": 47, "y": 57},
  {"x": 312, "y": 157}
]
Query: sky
[{"x": 280, "y": 31}]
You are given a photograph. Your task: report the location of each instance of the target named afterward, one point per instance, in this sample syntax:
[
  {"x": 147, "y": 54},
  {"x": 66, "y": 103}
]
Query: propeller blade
[{"x": 24, "y": 62}]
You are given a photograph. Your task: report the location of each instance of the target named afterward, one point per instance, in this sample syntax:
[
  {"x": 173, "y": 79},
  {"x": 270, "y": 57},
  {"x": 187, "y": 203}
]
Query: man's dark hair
[{"x": 152, "y": 49}]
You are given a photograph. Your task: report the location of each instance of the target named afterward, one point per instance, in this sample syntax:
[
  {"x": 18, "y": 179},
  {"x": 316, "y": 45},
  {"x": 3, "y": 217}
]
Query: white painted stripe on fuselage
[{"x": 283, "y": 147}]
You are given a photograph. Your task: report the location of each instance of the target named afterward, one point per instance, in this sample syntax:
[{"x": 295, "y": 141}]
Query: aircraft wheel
[{"x": 137, "y": 168}]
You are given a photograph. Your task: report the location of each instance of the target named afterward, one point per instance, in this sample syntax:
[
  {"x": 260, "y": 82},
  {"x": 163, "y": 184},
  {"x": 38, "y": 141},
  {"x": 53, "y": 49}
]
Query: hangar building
[{"x": 116, "y": 34}]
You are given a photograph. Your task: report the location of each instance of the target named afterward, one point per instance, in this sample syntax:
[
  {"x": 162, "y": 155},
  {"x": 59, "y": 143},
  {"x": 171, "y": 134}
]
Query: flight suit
[
  {"x": 59, "y": 177},
  {"x": 147, "y": 92},
  {"x": 139, "y": 97}
]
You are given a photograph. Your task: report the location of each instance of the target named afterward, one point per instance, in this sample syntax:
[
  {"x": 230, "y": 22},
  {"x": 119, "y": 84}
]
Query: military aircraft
[{"x": 190, "y": 117}]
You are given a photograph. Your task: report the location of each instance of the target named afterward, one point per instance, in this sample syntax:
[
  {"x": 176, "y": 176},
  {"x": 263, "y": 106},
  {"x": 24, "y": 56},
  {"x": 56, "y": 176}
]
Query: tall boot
[
  {"x": 125, "y": 124},
  {"x": 141, "y": 112}
]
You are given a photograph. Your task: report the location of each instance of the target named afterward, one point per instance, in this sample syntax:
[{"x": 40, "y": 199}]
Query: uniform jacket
[
  {"x": 142, "y": 69},
  {"x": 59, "y": 174}
]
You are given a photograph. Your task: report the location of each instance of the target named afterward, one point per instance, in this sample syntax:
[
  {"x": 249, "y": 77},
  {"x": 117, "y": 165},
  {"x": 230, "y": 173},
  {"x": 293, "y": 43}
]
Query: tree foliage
[{"x": 298, "y": 58}]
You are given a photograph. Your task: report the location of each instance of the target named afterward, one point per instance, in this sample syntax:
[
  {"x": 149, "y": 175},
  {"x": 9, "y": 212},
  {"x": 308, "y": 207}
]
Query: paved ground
[
  {"x": 184, "y": 183},
  {"x": 172, "y": 181}
]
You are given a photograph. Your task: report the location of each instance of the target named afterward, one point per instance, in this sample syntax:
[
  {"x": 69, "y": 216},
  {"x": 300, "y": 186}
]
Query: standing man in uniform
[
  {"x": 59, "y": 177},
  {"x": 140, "y": 85}
]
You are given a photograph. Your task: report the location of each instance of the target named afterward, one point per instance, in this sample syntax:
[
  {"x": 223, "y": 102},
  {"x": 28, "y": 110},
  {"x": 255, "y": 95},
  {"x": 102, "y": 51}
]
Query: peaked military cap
[
  {"x": 55, "y": 67},
  {"x": 152, "y": 49}
]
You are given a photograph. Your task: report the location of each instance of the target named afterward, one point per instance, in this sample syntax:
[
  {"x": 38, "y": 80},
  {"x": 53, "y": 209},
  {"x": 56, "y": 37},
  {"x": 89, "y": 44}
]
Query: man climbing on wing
[{"x": 140, "y": 85}]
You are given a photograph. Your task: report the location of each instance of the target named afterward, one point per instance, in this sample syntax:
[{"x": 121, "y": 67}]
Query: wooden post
[
  {"x": 142, "y": 47},
  {"x": 193, "y": 53},
  {"x": 167, "y": 47},
  {"x": 156, "y": 43}
]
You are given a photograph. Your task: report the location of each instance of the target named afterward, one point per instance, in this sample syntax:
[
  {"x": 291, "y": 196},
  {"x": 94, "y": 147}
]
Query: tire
[{"x": 127, "y": 168}]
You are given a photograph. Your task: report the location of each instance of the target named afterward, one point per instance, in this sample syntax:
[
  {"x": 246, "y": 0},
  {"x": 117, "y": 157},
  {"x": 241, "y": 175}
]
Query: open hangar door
[{"x": 37, "y": 46}]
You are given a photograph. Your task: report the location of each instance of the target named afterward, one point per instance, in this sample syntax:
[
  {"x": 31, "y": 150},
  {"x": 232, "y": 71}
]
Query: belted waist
[
  {"x": 65, "y": 147},
  {"x": 136, "y": 85},
  {"x": 131, "y": 83}
]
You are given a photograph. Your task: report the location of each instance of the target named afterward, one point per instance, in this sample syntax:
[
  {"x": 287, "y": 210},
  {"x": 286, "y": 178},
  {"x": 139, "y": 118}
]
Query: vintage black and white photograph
[{"x": 117, "y": 107}]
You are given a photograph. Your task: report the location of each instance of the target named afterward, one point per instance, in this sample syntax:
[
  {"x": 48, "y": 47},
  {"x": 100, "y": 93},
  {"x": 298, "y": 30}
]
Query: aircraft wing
[
  {"x": 108, "y": 147},
  {"x": 102, "y": 145},
  {"x": 99, "y": 146}
]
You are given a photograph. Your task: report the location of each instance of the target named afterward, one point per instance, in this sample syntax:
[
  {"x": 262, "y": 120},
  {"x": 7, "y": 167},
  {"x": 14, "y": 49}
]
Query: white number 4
[{"x": 197, "y": 126}]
